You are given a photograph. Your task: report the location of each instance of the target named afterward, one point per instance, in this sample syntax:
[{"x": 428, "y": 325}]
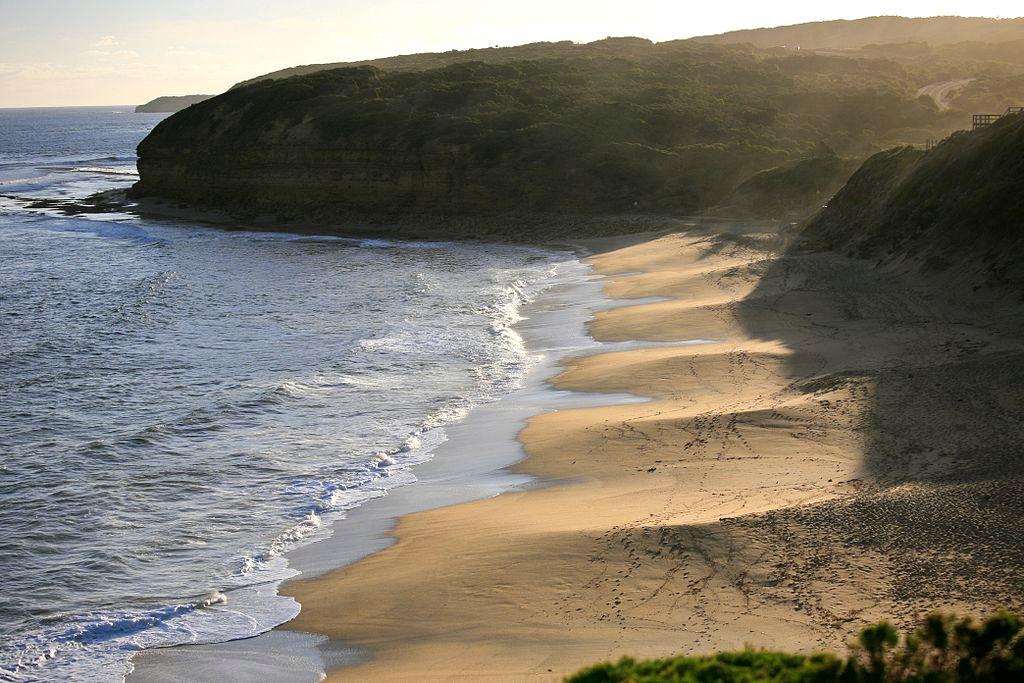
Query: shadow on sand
[{"x": 937, "y": 379}]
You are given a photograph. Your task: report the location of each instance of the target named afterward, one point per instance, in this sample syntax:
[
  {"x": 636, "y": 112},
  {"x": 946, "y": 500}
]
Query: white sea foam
[
  {"x": 250, "y": 411},
  {"x": 102, "y": 170},
  {"x": 390, "y": 468},
  {"x": 95, "y": 647}
]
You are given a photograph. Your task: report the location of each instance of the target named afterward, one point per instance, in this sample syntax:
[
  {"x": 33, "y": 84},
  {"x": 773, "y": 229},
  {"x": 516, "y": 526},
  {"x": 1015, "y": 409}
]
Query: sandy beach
[
  {"x": 827, "y": 458},
  {"x": 511, "y": 343}
]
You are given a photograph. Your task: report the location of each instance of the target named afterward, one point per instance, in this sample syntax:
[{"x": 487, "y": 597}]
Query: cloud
[
  {"x": 105, "y": 41},
  {"x": 109, "y": 48}
]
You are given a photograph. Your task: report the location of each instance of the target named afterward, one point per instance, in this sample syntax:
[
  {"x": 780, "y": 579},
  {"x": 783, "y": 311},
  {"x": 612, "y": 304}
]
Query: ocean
[{"x": 182, "y": 405}]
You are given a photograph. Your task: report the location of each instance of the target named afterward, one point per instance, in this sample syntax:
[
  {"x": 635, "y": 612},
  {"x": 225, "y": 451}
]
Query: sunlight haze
[{"x": 58, "y": 53}]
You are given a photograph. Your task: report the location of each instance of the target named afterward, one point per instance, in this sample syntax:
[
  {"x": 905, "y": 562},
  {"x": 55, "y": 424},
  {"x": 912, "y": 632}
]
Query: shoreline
[
  {"x": 507, "y": 228},
  {"x": 553, "y": 326},
  {"x": 710, "y": 517},
  {"x": 551, "y": 480}
]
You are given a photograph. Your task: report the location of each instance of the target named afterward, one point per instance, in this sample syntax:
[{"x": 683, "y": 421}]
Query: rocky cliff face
[
  {"x": 321, "y": 182},
  {"x": 290, "y": 181}
]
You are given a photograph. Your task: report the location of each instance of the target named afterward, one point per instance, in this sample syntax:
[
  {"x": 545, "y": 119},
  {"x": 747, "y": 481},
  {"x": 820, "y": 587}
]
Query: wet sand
[
  {"x": 468, "y": 465},
  {"x": 848, "y": 448}
]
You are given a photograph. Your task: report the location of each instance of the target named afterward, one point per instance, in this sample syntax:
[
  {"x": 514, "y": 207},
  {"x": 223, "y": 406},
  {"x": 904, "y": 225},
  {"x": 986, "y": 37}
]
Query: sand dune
[{"x": 847, "y": 447}]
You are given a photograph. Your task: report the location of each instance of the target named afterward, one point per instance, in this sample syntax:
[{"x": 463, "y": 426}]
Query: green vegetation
[
  {"x": 622, "y": 125},
  {"x": 747, "y": 666},
  {"x": 952, "y": 40},
  {"x": 991, "y": 93},
  {"x": 791, "y": 190},
  {"x": 433, "y": 60},
  {"x": 856, "y": 33},
  {"x": 619, "y": 127},
  {"x": 955, "y": 209},
  {"x": 929, "y": 50},
  {"x": 942, "y": 649}
]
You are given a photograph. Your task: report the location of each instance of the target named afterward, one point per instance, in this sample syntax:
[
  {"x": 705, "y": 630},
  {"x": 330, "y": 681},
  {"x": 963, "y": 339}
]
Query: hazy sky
[{"x": 67, "y": 52}]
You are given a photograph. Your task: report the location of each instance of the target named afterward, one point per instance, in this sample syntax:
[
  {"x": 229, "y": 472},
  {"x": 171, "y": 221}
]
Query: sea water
[{"x": 180, "y": 405}]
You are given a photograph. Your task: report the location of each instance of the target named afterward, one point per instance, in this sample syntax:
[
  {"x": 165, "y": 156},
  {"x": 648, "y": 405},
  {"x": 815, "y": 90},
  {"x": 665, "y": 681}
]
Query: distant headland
[{"x": 170, "y": 104}]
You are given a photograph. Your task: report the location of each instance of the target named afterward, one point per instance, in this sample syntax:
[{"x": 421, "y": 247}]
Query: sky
[{"x": 101, "y": 52}]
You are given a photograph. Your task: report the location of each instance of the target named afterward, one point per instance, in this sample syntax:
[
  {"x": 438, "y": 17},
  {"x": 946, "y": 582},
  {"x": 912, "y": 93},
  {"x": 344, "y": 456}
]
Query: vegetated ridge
[
  {"x": 856, "y": 33},
  {"x": 892, "y": 37},
  {"x": 956, "y": 210},
  {"x": 170, "y": 103},
  {"x": 621, "y": 125}
]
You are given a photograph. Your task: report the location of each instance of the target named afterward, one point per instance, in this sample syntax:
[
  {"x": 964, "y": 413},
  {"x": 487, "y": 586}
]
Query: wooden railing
[{"x": 982, "y": 120}]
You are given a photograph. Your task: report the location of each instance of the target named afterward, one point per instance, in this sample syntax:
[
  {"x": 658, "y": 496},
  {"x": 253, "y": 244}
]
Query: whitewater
[{"x": 183, "y": 405}]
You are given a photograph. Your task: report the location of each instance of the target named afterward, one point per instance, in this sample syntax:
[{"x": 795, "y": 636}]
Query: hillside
[
  {"x": 857, "y": 33},
  {"x": 983, "y": 57},
  {"x": 790, "y": 191},
  {"x": 170, "y": 104},
  {"x": 431, "y": 60},
  {"x": 956, "y": 210},
  {"x": 935, "y": 43},
  {"x": 622, "y": 125}
]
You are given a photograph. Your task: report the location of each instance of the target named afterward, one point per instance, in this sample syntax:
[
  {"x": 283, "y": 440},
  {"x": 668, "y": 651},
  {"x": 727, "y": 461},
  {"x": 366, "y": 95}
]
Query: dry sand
[{"x": 847, "y": 448}]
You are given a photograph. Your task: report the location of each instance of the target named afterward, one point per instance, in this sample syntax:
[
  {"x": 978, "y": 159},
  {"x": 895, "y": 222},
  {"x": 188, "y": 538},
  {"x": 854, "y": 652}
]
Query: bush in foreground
[{"x": 944, "y": 648}]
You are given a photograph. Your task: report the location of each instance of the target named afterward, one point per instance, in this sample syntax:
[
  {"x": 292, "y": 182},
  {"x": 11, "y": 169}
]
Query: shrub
[{"x": 944, "y": 648}]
